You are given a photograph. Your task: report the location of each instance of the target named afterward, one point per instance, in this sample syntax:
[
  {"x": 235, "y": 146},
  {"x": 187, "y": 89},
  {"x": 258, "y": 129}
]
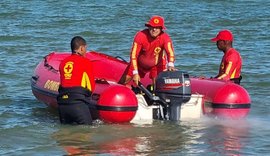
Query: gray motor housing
[{"x": 173, "y": 87}]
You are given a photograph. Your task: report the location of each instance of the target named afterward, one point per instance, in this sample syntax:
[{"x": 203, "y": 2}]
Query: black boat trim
[
  {"x": 35, "y": 88},
  {"x": 230, "y": 106},
  {"x": 117, "y": 108}
]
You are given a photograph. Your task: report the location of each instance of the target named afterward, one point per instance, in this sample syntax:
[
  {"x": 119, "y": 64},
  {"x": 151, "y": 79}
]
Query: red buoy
[
  {"x": 231, "y": 101},
  {"x": 117, "y": 104},
  {"x": 222, "y": 99}
]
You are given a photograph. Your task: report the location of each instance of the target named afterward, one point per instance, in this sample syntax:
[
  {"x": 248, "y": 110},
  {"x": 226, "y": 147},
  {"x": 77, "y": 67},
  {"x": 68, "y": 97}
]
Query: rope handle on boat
[
  {"x": 120, "y": 58},
  {"x": 35, "y": 78},
  {"x": 101, "y": 81},
  {"x": 47, "y": 65}
]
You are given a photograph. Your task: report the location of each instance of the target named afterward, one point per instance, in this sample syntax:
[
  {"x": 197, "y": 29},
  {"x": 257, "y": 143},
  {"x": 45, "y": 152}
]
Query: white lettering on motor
[{"x": 171, "y": 81}]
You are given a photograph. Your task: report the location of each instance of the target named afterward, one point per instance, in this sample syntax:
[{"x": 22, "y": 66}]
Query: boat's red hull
[
  {"x": 220, "y": 98},
  {"x": 223, "y": 99}
]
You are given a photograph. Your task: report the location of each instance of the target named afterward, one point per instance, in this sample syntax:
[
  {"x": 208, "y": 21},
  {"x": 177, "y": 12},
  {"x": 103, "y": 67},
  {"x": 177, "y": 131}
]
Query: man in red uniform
[
  {"x": 147, "y": 53},
  {"x": 77, "y": 83},
  {"x": 231, "y": 63}
]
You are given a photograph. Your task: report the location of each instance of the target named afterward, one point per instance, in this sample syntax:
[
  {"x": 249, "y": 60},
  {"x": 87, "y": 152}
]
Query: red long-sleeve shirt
[{"x": 147, "y": 52}]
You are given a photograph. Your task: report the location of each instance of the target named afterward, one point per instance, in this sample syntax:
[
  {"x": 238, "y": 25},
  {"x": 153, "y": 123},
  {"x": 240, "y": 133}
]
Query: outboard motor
[{"x": 173, "y": 87}]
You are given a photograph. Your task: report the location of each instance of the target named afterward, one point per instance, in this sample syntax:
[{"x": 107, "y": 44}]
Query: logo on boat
[
  {"x": 187, "y": 83},
  {"x": 52, "y": 85}
]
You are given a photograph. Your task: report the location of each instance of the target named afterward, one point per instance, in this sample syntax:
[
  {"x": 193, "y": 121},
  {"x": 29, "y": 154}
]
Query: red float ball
[
  {"x": 231, "y": 101},
  {"x": 117, "y": 104}
]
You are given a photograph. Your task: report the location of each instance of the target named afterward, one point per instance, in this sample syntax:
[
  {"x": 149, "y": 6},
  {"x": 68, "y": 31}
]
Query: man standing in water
[
  {"x": 147, "y": 53},
  {"x": 231, "y": 63},
  {"x": 77, "y": 84}
]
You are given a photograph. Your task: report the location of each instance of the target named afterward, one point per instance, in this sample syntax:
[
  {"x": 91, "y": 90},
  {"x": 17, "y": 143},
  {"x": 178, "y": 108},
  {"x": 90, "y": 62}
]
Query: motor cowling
[{"x": 173, "y": 87}]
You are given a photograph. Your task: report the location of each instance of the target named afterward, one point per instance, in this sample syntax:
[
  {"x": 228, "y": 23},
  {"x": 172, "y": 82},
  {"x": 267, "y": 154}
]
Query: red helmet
[{"x": 156, "y": 21}]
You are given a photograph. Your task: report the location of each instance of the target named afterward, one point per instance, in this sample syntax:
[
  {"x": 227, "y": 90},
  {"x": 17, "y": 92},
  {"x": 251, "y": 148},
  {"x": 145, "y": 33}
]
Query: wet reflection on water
[
  {"x": 115, "y": 139},
  {"x": 226, "y": 137},
  {"x": 186, "y": 137}
]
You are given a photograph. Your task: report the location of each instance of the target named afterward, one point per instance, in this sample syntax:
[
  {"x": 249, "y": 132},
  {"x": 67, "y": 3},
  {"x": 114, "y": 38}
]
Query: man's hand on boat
[
  {"x": 136, "y": 79},
  {"x": 171, "y": 68}
]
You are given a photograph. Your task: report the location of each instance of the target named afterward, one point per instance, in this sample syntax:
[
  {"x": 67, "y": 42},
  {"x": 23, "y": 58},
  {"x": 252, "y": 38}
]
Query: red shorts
[{"x": 154, "y": 71}]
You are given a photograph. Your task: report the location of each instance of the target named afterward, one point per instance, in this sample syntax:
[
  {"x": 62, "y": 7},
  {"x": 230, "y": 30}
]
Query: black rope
[{"x": 47, "y": 65}]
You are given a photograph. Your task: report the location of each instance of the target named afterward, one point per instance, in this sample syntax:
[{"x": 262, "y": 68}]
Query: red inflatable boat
[{"x": 177, "y": 96}]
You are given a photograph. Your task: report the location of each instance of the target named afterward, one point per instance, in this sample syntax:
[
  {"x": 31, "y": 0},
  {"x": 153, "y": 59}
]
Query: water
[{"x": 30, "y": 30}]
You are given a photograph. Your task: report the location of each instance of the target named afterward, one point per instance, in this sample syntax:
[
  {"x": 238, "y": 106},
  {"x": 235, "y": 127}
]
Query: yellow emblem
[
  {"x": 68, "y": 68},
  {"x": 156, "y": 54},
  {"x": 156, "y": 21},
  {"x": 65, "y": 96},
  {"x": 157, "y": 50}
]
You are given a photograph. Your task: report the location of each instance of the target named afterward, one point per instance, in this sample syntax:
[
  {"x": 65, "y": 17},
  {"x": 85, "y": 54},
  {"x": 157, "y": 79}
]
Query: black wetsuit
[{"x": 73, "y": 103}]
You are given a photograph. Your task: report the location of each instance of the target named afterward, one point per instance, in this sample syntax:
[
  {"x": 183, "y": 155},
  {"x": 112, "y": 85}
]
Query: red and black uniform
[
  {"x": 231, "y": 65},
  {"x": 147, "y": 53},
  {"x": 77, "y": 84}
]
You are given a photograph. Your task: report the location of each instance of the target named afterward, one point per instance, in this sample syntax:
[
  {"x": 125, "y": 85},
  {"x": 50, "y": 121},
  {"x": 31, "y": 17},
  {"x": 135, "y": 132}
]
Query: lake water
[{"x": 30, "y": 30}]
